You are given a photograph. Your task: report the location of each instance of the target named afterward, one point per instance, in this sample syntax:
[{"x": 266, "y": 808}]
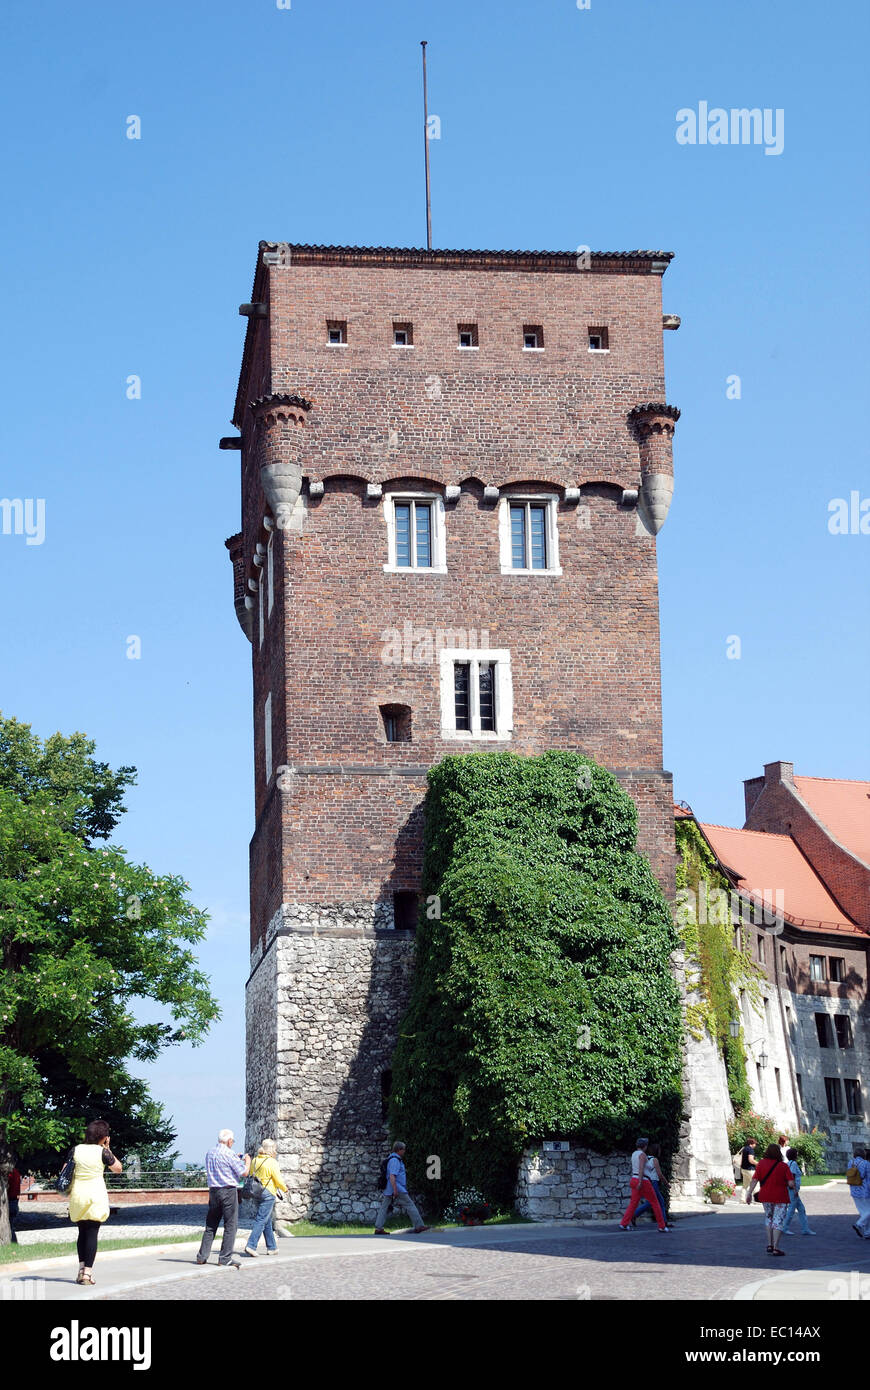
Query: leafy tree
[
  {"x": 84, "y": 935},
  {"x": 543, "y": 1001}
]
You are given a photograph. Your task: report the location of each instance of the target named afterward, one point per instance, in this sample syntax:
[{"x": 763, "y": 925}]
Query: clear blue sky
[{"x": 558, "y": 129}]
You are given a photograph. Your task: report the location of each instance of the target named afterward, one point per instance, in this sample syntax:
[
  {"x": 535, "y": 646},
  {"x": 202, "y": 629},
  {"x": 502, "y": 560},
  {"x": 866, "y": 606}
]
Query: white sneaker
[{"x": 252, "y": 1253}]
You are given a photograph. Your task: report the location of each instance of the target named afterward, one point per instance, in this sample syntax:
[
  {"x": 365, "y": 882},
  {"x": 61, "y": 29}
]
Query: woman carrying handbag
[
  {"x": 88, "y": 1198},
  {"x": 263, "y": 1184},
  {"x": 774, "y": 1179}
]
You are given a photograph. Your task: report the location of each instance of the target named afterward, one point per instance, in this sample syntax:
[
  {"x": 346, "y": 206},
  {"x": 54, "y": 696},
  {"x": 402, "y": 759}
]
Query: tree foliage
[
  {"x": 85, "y": 935},
  {"x": 543, "y": 1002}
]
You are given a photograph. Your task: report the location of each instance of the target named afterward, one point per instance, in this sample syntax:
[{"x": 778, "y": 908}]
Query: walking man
[
  {"x": 747, "y": 1162},
  {"x": 223, "y": 1169},
  {"x": 396, "y": 1191},
  {"x": 858, "y": 1178}
]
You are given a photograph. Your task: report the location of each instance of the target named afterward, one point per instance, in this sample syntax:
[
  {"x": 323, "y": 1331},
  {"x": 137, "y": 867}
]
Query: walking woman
[
  {"x": 774, "y": 1180},
  {"x": 266, "y": 1171},
  {"x": 654, "y": 1172},
  {"x": 88, "y": 1198}
]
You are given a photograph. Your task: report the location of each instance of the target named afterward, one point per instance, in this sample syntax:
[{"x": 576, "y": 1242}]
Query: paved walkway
[{"x": 711, "y": 1254}]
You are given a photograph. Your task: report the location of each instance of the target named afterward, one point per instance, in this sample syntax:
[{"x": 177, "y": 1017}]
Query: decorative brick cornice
[
  {"x": 280, "y": 406},
  {"x": 654, "y": 417}
]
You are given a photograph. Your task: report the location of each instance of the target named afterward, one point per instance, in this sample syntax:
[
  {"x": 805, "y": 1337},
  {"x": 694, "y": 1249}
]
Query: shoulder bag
[{"x": 66, "y": 1174}]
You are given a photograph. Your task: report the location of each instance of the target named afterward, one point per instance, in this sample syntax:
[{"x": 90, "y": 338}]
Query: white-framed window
[
  {"x": 336, "y": 332},
  {"x": 403, "y": 335},
  {"x": 477, "y": 698},
  {"x": 468, "y": 340},
  {"x": 416, "y": 541},
  {"x": 270, "y": 572},
  {"x": 267, "y": 735},
  {"x": 529, "y": 534},
  {"x": 599, "y": 339},
  {"x": 533, "y": 337}
]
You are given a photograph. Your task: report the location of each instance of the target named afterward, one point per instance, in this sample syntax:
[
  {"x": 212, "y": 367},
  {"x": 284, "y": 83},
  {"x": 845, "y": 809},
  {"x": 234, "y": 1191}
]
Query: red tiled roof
[
  {"x": 764, "y": 864},
  {"x": 844, "y": 807}
]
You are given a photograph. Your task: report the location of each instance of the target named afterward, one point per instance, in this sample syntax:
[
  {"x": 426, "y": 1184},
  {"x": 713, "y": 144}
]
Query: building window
[
  {"x": 800, "y": 1086},
  {"x": 267, "y": 734},
  {"x": 270, "y": 572},
  {"x": 397, "y": 723},
  {"x": 778, "y": 1079},
  {"x": 336, "y": 332},
  {"x": 468, "y": 336},
  {"x": 817, "y": 968},
  {"x": 783, "y": 959},
  {"x": 758, "y": 1077},
  {"x": 529, "y": 535},
  {"x": 533, "y": 337},
  {"x": 760, "y": 949},
  {"x": 836, "y": 969},
  {"x": 853, "y": 1098},
  {"x": 832, "y": 1095},
  {"x": 415, "y": 533},
  {"x": 403, "y": 335},
  {"x": 843, "y": 1028},
  {"x": 476, "y": 694},
  {"x": 767, "y": 1014},
  {"x": 823, "y": 1029},
  {"x": 405, "y": 909},
  {"x": 599, "y": 340}
]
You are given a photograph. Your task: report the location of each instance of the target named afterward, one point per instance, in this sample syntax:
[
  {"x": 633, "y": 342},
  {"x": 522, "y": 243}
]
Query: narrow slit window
[
  {"x": 486, "y": 687},
  {"x": 461, "y": 694}
]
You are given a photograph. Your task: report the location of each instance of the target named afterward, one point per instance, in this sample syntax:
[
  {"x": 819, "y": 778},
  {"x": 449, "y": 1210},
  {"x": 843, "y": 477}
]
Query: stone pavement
[{"x": 712, "y": 1254}]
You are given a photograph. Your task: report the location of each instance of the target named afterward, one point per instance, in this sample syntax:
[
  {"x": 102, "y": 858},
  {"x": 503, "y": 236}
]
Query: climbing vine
[{"x": 715, "y": 967}]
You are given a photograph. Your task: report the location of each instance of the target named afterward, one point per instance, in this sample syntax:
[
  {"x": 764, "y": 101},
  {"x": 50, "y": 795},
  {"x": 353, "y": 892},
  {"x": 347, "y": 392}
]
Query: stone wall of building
[
  {"x": 336, "y": 985},
  {"x": 576, "y": 1184},
  {"x": 703, "y": 1142}
]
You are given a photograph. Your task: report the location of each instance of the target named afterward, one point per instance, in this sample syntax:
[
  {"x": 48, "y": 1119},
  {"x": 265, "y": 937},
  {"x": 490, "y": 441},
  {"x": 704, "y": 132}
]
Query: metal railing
[{"x": 149, "y": 1179}]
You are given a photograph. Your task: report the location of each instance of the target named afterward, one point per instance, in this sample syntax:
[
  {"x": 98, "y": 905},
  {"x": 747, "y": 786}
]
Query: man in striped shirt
[{"x": 223, "y": 1170}]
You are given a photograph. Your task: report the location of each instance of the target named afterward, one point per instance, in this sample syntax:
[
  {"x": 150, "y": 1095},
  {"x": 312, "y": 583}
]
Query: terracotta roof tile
[
  {"x": 844, "y": 807},
  {"x": 765, "y": 863}
]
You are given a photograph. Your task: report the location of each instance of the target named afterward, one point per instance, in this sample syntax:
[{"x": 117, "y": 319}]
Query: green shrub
[
  {"x": 543, "y": 1001},
  {"x": 748, "y": 1124},
  {"x": 810, "y": 1149}
]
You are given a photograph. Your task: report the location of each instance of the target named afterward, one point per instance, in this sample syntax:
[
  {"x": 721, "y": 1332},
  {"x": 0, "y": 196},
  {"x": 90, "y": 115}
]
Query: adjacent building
[{"x": 801, "y": 869}]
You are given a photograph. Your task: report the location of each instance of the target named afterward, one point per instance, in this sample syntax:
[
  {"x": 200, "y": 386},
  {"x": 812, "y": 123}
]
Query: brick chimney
[{"x": 778, "y": 772}]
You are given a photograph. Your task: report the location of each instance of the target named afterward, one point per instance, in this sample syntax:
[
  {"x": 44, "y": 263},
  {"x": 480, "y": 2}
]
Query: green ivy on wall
[
  {"x": 544, "y": 1003},
  {"x": 716, "y": 968}
]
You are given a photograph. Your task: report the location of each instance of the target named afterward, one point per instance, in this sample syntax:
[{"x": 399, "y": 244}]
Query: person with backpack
[
  {"x": 395, "y": 1190},
  {"x": 775, "y": 1181},
  {"x": 795, "y": 1203},
  {"x": 858, "y": 1178},
  {"x": 263, "y": 1184}
]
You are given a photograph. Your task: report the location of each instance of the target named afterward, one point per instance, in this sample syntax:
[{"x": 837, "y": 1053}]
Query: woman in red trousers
[{"x": 641, "y": 1188}]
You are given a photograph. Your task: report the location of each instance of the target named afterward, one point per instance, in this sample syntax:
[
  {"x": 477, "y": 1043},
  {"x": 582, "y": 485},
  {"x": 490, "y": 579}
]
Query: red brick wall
[{"x": 584, "y": 646}]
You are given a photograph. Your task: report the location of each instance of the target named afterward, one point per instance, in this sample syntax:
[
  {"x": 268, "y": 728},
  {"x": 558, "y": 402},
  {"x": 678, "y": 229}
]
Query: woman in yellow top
[
  {"x": 88, "y": 1198},
  {"x": 265, "y": 1169}
]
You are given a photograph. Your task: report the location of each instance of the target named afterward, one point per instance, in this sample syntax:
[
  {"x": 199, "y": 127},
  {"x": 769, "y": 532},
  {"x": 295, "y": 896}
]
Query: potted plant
[
  {"x": 473, "y": 1213},
  {"x": 718, "y": 1190}
]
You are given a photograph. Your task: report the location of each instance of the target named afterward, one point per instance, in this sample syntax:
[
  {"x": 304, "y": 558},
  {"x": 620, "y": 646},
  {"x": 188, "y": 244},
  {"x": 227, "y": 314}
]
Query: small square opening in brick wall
[
  {"x": 336, "y": 332},
  {"x": 403, "y": 335},
  {"x": 533, "y": 337},
  {"x": 405, "y": 910},
  {"x": 599, "y": 339},
  {"x": 468, "y": 335},
  {"x": 397, "y": 723}
]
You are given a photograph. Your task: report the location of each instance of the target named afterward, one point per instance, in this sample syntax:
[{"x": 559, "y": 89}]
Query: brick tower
[{"x": 454, "y": 465}]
